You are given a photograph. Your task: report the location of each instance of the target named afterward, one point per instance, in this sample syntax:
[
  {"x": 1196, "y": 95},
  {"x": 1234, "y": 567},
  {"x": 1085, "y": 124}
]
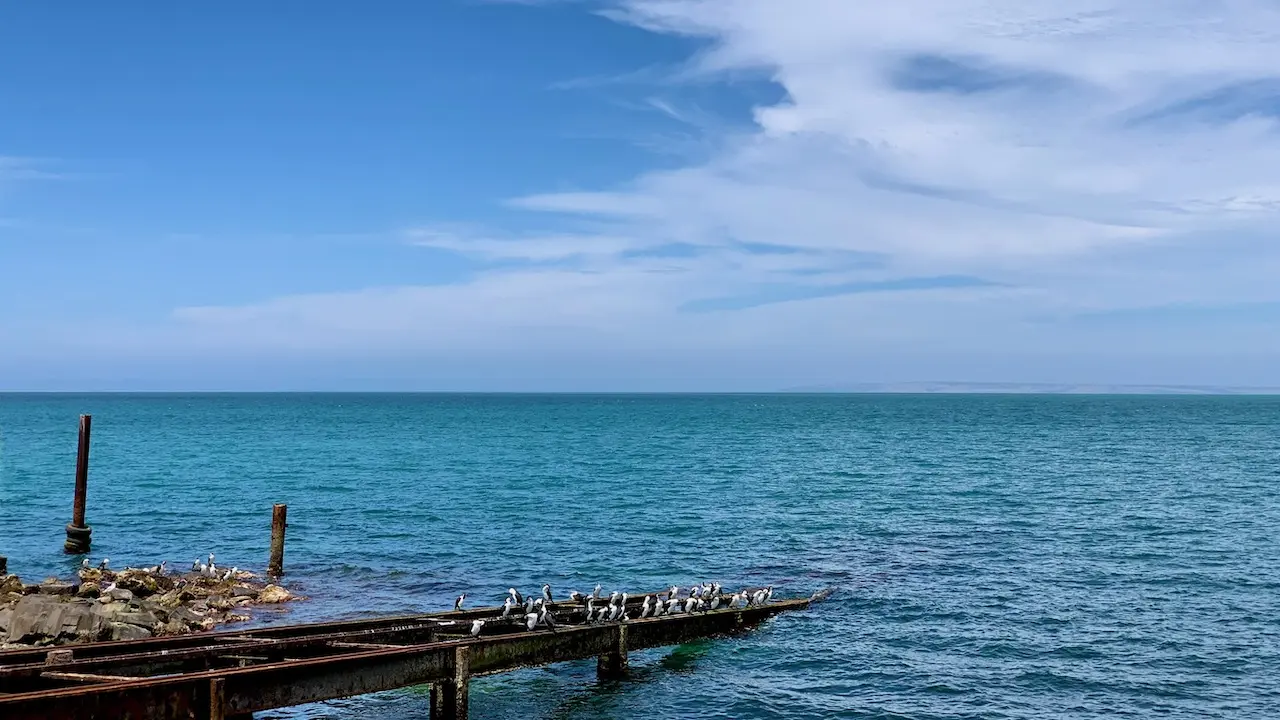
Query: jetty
[{"x": 229, "y": 675}]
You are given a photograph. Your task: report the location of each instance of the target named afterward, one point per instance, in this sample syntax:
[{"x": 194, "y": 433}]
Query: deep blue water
[{"x": 996, "y": 556}]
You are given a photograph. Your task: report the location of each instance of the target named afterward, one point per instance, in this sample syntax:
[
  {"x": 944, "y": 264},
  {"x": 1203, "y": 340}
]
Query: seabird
[
  {"x": 475, "y": 627},
  {"x": 673, "y": 592},
  {"x": 768, "y": 593},
  {"x": 195, "y": 565},
  {"x": 757, "y": 598},
  {"x": 646, "y": 607},
  {"x": 105, "y": 562},
  {"x": 528, "y": 605},
  {"x": 547, "y": 619},
  {"x": 613, "y": 612},
  {"x": 108, "y": 588},
  {"x": 623, "y": 600},
  {"x": 691, "y": 604},
  {"x": 516, "y": 596},
  {"x": 84, "y": 564},
  {"x": 673, "y": 606},
  {"x": 531, "y": 620},
  {"x": 596, "y": 594},
  {"x": 576, "y": 596},
  {"x": 457, "y": 604},
  {"x": 506, "y": 607},
  {"x": 613, "y": 597},
  {"x": 546, "y": 591}
]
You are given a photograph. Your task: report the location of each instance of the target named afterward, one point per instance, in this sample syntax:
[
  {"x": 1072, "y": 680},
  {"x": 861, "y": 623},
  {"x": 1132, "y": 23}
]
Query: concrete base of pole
[{"x": 78, "y": 540}]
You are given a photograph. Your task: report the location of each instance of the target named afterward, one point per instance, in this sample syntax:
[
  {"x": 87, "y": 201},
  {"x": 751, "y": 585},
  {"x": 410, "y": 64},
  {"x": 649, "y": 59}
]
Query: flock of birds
[
  {"x": 537, "y": 612},
  {"x": 209, "y": 569}
]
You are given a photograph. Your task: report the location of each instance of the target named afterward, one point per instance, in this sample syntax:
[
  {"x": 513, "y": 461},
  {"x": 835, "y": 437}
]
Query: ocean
[{"x": 1012, "y": 556}]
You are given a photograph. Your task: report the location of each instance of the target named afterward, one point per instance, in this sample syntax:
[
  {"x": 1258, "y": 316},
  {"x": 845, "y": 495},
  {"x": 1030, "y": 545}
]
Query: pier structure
[{"x": 231, "y": 674}]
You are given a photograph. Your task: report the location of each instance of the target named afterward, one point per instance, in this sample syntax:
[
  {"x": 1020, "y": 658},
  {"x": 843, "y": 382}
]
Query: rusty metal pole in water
[
  {"x": 275, "y": 568},
  {"x": 78, "y": 533}
]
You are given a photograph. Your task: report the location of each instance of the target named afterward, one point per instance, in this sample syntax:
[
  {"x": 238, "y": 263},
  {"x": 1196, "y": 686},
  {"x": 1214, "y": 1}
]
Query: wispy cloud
[{"x": 1000, "y": 160}]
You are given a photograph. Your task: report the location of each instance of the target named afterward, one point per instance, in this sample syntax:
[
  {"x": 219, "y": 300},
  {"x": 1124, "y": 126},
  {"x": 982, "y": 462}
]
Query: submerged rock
[{"x": 273, "y": 594}]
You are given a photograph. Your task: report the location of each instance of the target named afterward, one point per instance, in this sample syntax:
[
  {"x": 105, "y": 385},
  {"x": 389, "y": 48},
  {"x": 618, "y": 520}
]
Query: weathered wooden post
[
  {"x": 613, "y": 664},
  {"x": 4, "y": 566},
  {"x": 78, "y": 533},
  {"x": 449, "y": 697},
  {"x": 275, "y": 567}
]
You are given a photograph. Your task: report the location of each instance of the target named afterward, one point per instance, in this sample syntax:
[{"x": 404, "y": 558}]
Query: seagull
[
  {"x": 546, "y": 592},
  {"x": 475, "y": 627},
  {"x": 105, "y": 562},
  {"x": 506, "y": 607},
  {"x": 516, "y": 596},
  {"x": 531, "y": 620},
  {"x": 457, "y": 604}
]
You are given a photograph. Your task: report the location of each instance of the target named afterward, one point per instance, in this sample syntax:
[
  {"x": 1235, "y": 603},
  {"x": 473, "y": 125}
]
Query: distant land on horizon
[{"x": 1034, "y": 389}]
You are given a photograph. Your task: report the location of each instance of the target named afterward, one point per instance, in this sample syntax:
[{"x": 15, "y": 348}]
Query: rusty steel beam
[
  {"x": 282, "y": 684},
  {"x": 122, "y": 647}
]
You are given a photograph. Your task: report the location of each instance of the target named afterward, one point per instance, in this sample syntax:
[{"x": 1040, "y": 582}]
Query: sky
[{"x": 649, "y": 195}]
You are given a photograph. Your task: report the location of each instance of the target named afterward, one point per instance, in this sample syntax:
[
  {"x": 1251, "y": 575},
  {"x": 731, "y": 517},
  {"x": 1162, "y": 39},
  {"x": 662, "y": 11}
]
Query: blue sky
[{"x": 638, "y": 194}]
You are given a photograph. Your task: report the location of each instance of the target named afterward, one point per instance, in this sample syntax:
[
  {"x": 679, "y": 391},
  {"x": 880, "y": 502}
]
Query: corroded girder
[{"x": 349, "y": 671}]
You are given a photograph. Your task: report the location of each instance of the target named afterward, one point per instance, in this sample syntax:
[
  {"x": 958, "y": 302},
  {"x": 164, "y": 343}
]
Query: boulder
[
  {"x": 126, "y": 631},
  {"x": 175, "y": 597},
  {"x": 273, "y": 594},
  {"x": 218, "y": 602},
  {"x": 240, "y": 591},
  {"x": 140, "y": 584},
  {"x": 175, "y": 627},
  {"x": 5, "y": 616},
  {"x": 186, "y": 615},
  {"x": 10, "y": 584},
  {"x": 57, "y": 588},
  {"x": 40, "y": 619},
  {"x": 120, "y": 594},
  {"x": 89, "y": 590}
]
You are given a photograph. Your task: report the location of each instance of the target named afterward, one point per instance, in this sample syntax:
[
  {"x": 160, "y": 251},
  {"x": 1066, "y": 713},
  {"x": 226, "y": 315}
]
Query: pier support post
[
  {"x": 78, "y": 533},
  {"x": 613, "y": 664},
  {"x": 4, "y": 566},
  {"x": 275, "y": 567},
  {"x": 449, "y": 697}
]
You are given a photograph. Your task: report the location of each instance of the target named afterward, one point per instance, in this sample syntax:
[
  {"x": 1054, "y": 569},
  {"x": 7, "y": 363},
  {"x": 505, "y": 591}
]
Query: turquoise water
[{"x": 996, "y": 556}]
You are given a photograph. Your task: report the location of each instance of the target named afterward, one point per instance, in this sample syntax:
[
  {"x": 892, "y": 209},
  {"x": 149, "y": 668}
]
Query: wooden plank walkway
[{"x": 231, "y": 674}]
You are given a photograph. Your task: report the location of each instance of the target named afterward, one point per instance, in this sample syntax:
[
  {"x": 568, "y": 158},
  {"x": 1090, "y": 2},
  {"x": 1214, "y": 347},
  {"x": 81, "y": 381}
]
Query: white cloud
[{"x": 1086, "y": 156}]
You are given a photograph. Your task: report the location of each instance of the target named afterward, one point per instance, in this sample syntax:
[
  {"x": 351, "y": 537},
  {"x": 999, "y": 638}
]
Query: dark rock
[
  {"x": 175, "y": 627},
  {"x": 121, "y": 594},
  {"x": 89, "y": 590},
  {"x": 186, "y": 615},
  {"x": 57, "y": 588},
  {"x": 10, "y": 584},
  {"x": 5, "y": 616},
  {"x": 126, "y": 631},
  {"x": 219, "y": 602},
  {"x": 45, "y": 618},
  {"x": 30, "y": 589},
  {"x": 240, "y": 591},
  {"x": 140, "y": 584}
]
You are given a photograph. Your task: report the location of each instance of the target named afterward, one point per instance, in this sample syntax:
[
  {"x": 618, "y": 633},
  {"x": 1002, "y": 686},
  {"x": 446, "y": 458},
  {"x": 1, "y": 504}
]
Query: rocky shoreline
[{"x": 132, "y": 604}]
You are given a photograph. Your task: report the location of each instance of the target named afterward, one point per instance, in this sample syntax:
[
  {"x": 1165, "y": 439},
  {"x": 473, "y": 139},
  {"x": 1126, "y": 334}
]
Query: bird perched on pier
[
  {"x": 475, "y": 627},
  {"x": 546, "y": 618},
  {"x": 546, "y": 591},
  {"x": 768, "y": 593},
  {"x": 516, "y": 597},
  {"x": 531, "y": 620},
  {"x": 596, "y": 593},
  {"x": 105, "y": 562},
  {"x": 457, "y": 604},
  {"x": 673, "y": 592},
  {"x": 613, "y": 597},
  {"x": 506, "y": 607},
  {"x": 528, "y": 605},
  {"x": 646, "y": 607},
  {"x": 84, "y": 564},
  {"x": 575, "y": 596}
]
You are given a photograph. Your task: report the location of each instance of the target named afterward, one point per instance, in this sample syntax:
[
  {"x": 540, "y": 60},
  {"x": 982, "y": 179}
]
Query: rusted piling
[
  {"x": 78, "y": 533},
  {"x": 275, "y": 567},
  {"x": 449, "y": 697},
  {"x": 613, "y": 664}
]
